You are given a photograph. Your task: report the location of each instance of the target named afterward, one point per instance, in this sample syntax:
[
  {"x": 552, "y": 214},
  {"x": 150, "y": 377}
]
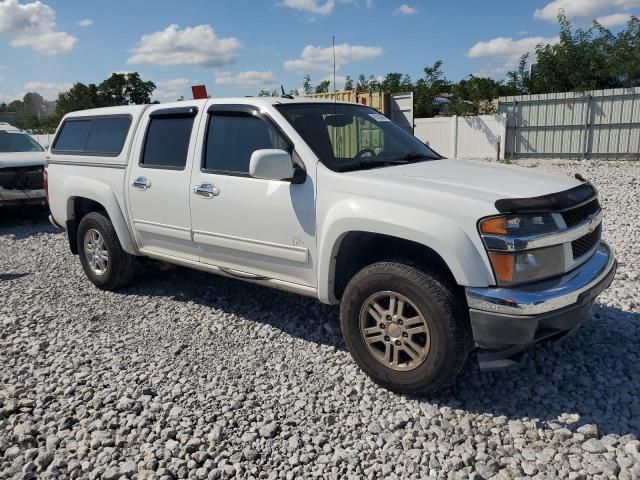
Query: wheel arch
[
  {"x": 357, "y": 242},
  {"x": 88, "y": 195}
]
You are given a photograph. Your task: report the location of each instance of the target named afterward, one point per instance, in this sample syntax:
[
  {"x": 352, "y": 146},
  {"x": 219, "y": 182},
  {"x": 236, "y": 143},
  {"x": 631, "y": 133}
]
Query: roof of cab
[{"x": 136, "y": 110}]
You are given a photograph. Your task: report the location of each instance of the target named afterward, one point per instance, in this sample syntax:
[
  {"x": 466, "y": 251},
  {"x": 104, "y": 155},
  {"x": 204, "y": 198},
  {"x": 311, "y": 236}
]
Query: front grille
[
  {"x": 21, "y": 178},
  {"x": 584, "y": 244},
  {"x": 579, "y": 214}
]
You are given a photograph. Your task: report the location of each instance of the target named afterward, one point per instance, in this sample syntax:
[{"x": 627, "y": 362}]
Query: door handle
[
  {"x": 206, "y": 190},
  {"x": 141, "y": 183}
]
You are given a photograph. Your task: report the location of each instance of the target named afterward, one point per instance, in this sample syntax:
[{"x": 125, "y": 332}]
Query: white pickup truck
[{"x": 429, "y": 258}]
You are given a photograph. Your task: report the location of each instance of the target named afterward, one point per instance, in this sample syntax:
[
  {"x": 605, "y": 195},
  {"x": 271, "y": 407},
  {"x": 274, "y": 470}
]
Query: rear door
[{"x": 158, "y": 180}]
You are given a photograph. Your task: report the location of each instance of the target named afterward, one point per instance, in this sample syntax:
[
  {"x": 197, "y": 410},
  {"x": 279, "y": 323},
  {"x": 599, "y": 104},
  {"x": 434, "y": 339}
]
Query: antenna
[{"x": 285, "y": 95}]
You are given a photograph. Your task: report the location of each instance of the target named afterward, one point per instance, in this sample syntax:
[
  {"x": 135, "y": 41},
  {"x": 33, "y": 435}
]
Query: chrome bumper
[{"x": 546, "y": 296}]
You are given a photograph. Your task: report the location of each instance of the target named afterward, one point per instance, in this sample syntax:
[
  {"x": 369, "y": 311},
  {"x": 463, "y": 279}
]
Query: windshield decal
[{"x": 378, "y": 117}]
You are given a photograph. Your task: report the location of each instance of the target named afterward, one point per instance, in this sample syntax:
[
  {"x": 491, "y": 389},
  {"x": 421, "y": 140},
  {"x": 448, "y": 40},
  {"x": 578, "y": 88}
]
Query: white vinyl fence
[
  {"x": 44, "y": 140},
  {"x": 480, "y": 136}
]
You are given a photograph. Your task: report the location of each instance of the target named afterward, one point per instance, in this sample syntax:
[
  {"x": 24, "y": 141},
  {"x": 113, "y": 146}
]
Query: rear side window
[
  {"x": 232, "y": 139},
  {"x": 167, "y": 142},
  {"x": 73, "y": 136},
  {"x": 93, "y": 136},
  {"x": 107, "y": 135}
]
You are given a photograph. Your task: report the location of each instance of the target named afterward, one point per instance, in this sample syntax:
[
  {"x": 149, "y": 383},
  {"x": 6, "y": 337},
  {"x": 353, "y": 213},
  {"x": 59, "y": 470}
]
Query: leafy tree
[
  {"x": 428, "y": 89},
  {"x": 348, "y": 83},
  {"x": 125, "y": 89},
  {"x": 294, "y": 92},
  {"x": 306, "y": 84},
  {"x": 3, "y": 107},
  {"x": 583, "y": 59},
  {"x": 78, "y": 97},
  {"x": 396, "y": 82},
  {"x": 264, "y": 93},
  {"x": 323, "y": 86}
]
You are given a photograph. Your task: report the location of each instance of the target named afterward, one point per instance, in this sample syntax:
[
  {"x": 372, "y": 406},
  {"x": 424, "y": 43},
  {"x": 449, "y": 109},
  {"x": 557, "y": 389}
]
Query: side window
[
  {"x": 73, "y": 136},
  {"x": 233, "y": 137},
  {"x": 107, "y": 135},
  {"x": 93, "y": 136},
  {"x": 167, "y": 142}
]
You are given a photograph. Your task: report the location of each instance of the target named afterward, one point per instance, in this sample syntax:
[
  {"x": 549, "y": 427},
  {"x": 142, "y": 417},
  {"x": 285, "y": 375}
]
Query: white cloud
[
  {"x": 10, "y": 97},
  {"x": 405, "y": 9},
  {"x": 172, "y": 89},
  {"x": 581, "y": 8},
  {"x": 191, "y": 46},
  {"x": 174, "y": 83},
  {"x": 320, "y": 7},
  {"x": 504, "y": 53},
  {"x": 507, "y": 47},
  {"x": 248, "y": 78},
  {"x": 321, "y": 58},
  {"x": 311, "y": 6},
  {"x": 340, "y": 81},
  {"x": 49, "y": 90},
  {"x": 614, "y": 20},
  {"x": 33, "y": 25},
  {"x": 87, "y": 22}
]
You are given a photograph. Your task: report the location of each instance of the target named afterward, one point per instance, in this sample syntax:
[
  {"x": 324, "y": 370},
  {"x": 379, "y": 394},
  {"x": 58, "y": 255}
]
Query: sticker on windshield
[{"x": 378, "y": 117}]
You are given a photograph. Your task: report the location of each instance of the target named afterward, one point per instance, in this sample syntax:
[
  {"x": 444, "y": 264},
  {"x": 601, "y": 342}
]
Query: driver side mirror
[{"x": 271, "y": 164}]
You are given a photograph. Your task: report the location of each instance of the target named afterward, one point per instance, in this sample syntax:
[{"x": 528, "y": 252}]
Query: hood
[
  {"x": 482, "y": 180},
  {"x": 22, "y": 159}
]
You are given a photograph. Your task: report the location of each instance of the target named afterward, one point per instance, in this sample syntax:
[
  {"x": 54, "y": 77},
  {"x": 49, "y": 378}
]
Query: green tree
[
  {"x": 307, "y": 87},
  {"x": 348, "y": 83},
  {"x": 125, "y": 89},
  {"x": 583, "y": 59},
  {"x": 323, "y": 86},
  {"x": 428, "y": 88},
  {"x": 78, "y": 97}
]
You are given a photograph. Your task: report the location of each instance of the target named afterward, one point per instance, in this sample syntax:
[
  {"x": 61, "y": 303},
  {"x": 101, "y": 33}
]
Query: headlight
[
  {"x": 507, "y": 239},
  {"x": 528, "y": 265}
]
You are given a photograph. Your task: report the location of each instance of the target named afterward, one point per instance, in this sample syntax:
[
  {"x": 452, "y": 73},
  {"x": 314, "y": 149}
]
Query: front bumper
[
  {"x": 505, "y": 321},
  {"x": 22, "y": 197}
]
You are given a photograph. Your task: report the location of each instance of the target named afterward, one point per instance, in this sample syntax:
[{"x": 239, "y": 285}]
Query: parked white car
[
  {"x": 429, "y": 258},
  {"x": 21, "y": 168}
]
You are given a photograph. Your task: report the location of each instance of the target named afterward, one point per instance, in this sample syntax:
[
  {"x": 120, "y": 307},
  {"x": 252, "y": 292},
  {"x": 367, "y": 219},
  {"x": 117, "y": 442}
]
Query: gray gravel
[{"x": 187, "y": 375}]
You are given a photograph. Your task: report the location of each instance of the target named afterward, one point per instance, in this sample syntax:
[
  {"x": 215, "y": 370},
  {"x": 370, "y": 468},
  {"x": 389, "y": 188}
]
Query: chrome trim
[
  {"x": 119, "y": 166},
  {"x": 504, "y": 243},
  {"x": 547, "y": 295}
]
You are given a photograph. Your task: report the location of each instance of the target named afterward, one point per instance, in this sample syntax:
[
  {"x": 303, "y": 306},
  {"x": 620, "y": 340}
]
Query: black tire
[
  {"x": 120, "y": 267},
  {"x": 449, "y": 332}
]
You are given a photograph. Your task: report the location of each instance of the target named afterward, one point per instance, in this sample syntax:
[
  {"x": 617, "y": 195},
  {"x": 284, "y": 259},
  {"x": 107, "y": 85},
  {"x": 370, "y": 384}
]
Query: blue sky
[{"x": 237, "y": 47}]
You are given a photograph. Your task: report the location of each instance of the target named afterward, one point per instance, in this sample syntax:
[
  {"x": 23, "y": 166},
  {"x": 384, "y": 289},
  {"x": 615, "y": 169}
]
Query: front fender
[
  {"x": 465, "y": 257},
  {"x": 75, "y": 186}
]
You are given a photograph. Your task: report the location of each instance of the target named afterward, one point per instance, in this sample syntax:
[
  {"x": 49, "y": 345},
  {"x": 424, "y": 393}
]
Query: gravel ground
[{"x": 187, "y": 375}]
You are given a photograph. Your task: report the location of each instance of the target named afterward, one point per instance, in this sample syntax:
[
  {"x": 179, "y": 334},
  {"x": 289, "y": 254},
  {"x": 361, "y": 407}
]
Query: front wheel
[
  {"x": 104, "y": 261},
  {"x": 404, "y": 328}
]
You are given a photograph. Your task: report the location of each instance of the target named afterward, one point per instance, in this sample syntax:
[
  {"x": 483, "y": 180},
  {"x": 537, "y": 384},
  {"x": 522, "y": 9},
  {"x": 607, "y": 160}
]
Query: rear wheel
[
  {"x": 104, "y": 261},
  {"x": 404, "y": 327}
]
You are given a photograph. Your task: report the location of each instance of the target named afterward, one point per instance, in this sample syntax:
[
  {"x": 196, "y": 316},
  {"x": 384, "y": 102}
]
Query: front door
[
  {"x": 158, "y": 181},
  {"x": 245, "y": 225}
]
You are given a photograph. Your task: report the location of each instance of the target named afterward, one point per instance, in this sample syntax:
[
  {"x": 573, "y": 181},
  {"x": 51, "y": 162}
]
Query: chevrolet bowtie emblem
[{"x": 593, "y": 224}]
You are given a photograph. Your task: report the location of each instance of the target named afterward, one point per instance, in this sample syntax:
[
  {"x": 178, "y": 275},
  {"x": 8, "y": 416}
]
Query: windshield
[
  {"x": 350, "y": 137},
  {"x": 18, "y": 142}
]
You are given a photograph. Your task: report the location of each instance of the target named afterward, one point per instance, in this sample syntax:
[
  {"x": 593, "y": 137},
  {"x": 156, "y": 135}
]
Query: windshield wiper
[
  {"x": 382, "y": 163},
  {"x": 417, "y": 156}
]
